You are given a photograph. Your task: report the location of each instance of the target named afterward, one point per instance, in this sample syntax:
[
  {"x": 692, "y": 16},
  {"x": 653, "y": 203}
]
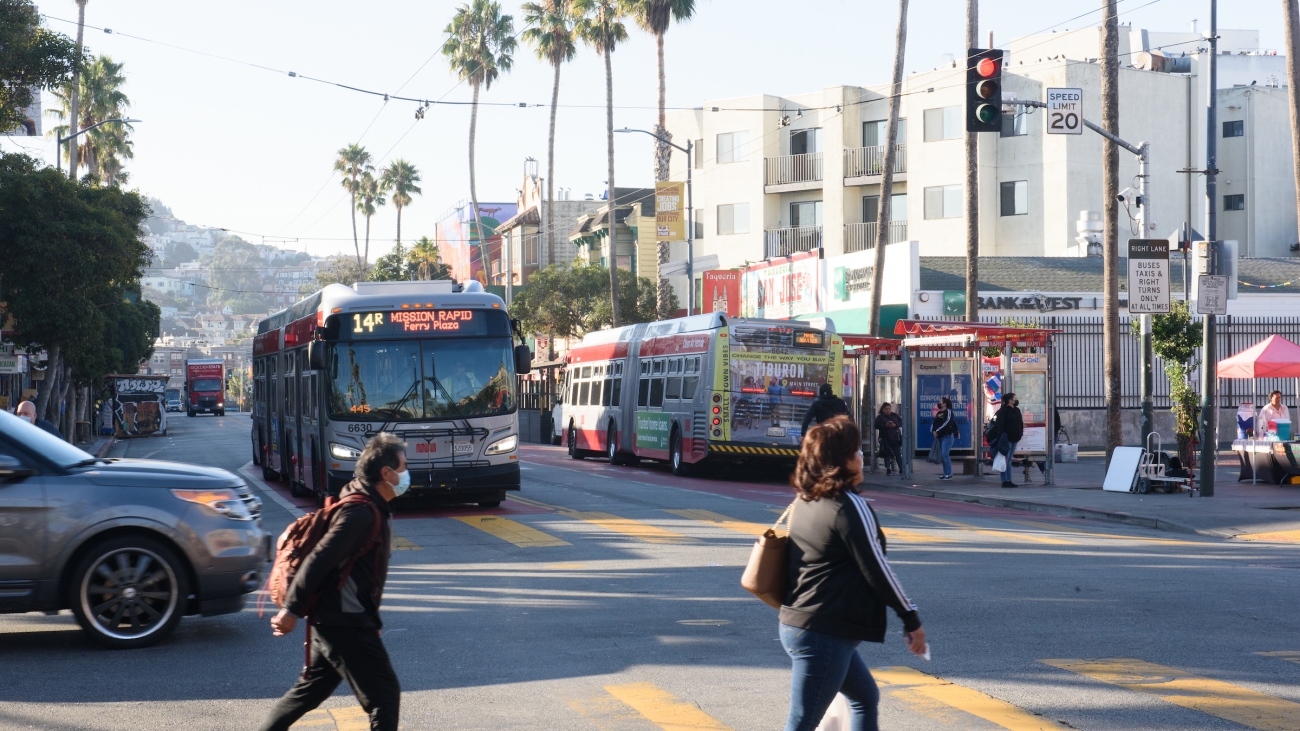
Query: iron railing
[
  {"x": 862, "y": 236},
  {"x": 792, "y": 169},
  {"x": 787, "y": 241},
  {"x": 861, "y": 161}
]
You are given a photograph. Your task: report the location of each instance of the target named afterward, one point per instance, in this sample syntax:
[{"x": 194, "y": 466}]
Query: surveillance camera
[{"x": 1124, "y": 195}]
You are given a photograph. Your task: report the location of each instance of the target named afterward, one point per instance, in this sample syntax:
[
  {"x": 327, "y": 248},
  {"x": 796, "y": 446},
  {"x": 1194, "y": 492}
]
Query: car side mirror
[
  {"x": 523, "y": 359},
  {"x": 11, "y": 468},
  {"x": 316, "y": 355}
]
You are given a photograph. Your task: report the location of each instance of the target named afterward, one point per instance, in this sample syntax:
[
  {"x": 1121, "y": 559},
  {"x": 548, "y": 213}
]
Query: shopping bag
[
  {"x": 1000, "y": 462},
  {"x": 764, "y": 575},
  {"x": 935, "y": 456},
  {"x": 837, "y": 716}
]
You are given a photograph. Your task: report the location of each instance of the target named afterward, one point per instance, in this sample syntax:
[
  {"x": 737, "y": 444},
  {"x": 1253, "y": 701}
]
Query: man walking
[
  {"x": 826, "y": 406},
  {"x": 27, "y": 410},
  {"x": 344, "y": 615}
]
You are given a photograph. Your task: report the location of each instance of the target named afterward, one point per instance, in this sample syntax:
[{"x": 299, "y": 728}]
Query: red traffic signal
[{"x": 984, "y": 90}]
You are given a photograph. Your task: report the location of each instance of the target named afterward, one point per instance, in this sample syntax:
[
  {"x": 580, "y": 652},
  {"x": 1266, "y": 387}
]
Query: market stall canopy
[
  {"x": 1274, "y": 357},
  {"x": 961, "y": 334}
]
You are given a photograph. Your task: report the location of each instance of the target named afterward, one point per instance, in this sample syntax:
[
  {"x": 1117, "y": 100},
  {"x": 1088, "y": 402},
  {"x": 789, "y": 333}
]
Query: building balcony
[
  {"x": 787, "y": 241},
  {"x": 790, "y": 173},
  {"x": 862, "y": 236},
  {"x": 866, "y": 165}
]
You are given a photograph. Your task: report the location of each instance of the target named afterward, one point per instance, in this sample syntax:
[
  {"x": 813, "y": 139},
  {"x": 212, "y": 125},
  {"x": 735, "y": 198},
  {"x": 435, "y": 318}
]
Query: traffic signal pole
[{"x": 1209, "y": 359}]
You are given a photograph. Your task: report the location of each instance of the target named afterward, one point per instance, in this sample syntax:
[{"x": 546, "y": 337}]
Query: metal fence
[
  {"x": 792, "y": 169},
  {"x": 862, "y": 161},
  {"x": 862, "y": 236},
  {"x": 787, "y": 241}
]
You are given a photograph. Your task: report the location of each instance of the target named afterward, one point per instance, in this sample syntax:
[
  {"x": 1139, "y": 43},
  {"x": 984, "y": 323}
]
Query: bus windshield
[{"x": 409, "y": 380}]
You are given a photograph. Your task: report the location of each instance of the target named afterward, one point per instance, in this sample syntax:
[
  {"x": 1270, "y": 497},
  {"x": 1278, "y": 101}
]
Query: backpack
[
  {"x": 298, "y": 541},
  {"x": 992, "y": 431}
]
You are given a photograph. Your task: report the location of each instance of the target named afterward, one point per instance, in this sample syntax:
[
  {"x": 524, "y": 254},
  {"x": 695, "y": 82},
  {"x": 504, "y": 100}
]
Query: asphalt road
[{"x": 607, "y": 598}]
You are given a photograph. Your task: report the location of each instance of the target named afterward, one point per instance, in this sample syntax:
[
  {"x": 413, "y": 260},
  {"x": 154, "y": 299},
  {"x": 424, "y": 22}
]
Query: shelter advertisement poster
[
  {"x": 934, "y": 378},
  {"x": 782, "y": 288},
  {"x": 722, "y": 292},
  {"x": 670, "y": 211},
  {"x": 137, "y": 404},
  {"x": 1029, "y": 384}
]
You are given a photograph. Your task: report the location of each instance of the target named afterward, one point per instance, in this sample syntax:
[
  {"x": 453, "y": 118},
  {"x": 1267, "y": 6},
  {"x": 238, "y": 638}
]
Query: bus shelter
[
  {"x": 941, "y": 358},
  {"x": 867, "y": 360}
]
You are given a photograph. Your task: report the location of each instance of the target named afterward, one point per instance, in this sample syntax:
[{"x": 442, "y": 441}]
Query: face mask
[{"x": 403, "y": 483}]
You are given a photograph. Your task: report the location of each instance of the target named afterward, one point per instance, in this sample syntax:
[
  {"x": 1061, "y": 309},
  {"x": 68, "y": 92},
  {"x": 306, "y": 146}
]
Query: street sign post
[
  {"x": 1212, "y": 295},
  {"x": 1065, "y": 111},
  {"x": 1148, "y": 276}
]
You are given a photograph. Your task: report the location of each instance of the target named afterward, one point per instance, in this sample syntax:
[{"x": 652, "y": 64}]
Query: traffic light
[{"x": 984, "y": 90}]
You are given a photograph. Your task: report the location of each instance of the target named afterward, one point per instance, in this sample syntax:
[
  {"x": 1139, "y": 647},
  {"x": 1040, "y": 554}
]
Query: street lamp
[
  {"x": 690, "y": 216},
  {"x": 72, "y": 165}
]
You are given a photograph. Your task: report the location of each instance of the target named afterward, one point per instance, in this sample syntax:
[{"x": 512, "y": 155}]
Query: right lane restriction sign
[
  {"x": 1148, "y": 276},
  {"x": 1064, "y": 111}
]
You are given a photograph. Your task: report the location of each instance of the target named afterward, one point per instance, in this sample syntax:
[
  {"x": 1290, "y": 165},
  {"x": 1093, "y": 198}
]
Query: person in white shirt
[{"x": 1272, "y": 411}]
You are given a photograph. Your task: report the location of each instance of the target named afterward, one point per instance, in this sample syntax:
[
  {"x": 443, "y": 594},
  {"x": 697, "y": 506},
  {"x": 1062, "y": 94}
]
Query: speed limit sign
[{"x": 1065, "y": 111}]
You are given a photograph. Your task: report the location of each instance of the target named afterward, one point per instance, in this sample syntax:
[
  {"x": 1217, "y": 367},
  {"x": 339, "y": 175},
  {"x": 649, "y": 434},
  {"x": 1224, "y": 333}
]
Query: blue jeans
[
  {"x": 945, "y": 449},
  {"x": 1011, "y": 450},
  {"x": 823, "y": 666}
]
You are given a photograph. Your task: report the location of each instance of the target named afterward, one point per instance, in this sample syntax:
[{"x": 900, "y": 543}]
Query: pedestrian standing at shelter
[
  {"x": 826, "y": 406},
  {"x": 344, "y": 614},
  {"x": 945, "y": 433},
  {"x": 889, "y": 429},
  {"x": 1007, "y": 429},
  {"x": 1272, "y": 411},
  {"x": 838, "y": 583}
]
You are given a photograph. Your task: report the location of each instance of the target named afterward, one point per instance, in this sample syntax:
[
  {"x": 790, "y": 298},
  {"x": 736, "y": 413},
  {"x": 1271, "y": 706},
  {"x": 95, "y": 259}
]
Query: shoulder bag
[{"x": 764, "y": 575}]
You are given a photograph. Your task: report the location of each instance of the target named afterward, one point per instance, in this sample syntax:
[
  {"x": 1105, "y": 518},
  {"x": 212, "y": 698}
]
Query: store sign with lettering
[{"x": 1036, "y": 302}]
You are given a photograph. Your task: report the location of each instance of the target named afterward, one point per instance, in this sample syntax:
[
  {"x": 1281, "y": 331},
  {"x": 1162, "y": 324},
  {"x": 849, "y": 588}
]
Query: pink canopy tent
[{"x": 1274, "y": 357}]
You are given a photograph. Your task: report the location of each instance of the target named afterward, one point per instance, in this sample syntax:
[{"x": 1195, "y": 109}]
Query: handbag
[
  {"x": 838, "y": 717},
  {"x": 764, "y": 575}
]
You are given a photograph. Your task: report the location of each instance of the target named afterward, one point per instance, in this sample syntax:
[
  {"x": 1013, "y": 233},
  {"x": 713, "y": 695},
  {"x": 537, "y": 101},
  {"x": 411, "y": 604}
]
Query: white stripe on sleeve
[{"x": 869, "y": 523}]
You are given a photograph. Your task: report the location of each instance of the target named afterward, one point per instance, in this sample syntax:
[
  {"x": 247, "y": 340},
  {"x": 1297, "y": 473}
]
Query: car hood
[{"x": 157, "y": 473}]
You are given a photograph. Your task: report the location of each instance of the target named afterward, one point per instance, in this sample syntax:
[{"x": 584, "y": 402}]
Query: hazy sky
[{"x": 229, "y": 145}]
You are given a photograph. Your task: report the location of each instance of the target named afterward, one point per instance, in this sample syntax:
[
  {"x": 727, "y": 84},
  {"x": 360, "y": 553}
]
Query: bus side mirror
[
  {"x": 316, "y": 355},
  {"x": 523, "y": 359}
]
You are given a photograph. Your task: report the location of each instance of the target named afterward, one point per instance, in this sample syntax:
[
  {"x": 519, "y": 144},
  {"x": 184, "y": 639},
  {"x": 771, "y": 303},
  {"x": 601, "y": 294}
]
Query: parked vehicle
[
  {"x": 129, "y": 545},
  {"x": 205, "y": 386},
  {"x": 173, "y": 400}
]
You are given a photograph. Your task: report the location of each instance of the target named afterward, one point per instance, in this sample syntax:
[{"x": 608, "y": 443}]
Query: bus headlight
[
  {"x": 505, "y": 445},
  {"x": 343, "y": 451}
]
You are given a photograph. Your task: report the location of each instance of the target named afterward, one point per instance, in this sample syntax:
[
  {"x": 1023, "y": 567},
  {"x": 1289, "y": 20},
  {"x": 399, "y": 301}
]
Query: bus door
[
  {"x": 291, "y": 427},
  {"x": 309, "y": 425},
  {"x": 259, "y": 408}
]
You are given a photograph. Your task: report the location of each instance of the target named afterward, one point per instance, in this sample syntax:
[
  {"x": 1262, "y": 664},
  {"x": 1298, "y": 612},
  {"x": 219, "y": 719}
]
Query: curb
[
  {"x": 1066, "y": 511},
  {"x": 108, "y": 444}
]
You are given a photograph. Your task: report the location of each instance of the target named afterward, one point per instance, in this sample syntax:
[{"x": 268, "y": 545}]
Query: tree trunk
[
  {"x": 1110, "y": 253},
  {"x": 1291, "y": 9},
  {"x": 972, "y": 192},
  {"x": 47, "y": 384},
  {"x": 884, "y": 209},
  {"x": 365, "y": 257},
  {"x": 550, "y": 170},
  {"x": 356, "y": 242},
  {"x": 398, "y": 206},
  {"x": 75, "y": 101},
  {"x": 663, "y": 158},
  {"x": 473, "y": 191},
  {"x": 74, "y": 414},
  {"x": 613, "y": 195}
]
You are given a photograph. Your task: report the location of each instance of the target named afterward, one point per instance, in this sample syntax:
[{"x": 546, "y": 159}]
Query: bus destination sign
[{"x": 407, "y": 323}]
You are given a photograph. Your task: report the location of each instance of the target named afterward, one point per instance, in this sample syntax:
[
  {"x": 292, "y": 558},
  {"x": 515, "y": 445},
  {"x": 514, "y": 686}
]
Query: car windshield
[
  {"x": 205, "y": 384},
  {"x": 407, "y": 380},
  {"x": 40, "y": 442}
]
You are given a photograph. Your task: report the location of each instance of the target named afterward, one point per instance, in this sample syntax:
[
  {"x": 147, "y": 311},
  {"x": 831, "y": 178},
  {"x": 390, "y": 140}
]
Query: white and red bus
[{"x": 696, "y": 388}]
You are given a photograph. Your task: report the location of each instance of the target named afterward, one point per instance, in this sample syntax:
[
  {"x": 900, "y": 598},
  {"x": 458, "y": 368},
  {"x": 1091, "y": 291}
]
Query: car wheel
[
  {"x": 129, "y": 592},
  {"x": 189, "y": 413},
  {"x": 680, "y": 466},
  {"x": 574, "y": 452}
]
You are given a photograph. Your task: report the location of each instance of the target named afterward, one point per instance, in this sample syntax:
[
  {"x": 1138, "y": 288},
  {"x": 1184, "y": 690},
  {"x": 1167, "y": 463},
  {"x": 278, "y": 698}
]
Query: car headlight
[
  {"x": 343, "y": 451},
  {"x": 222, "y": 502},
  {"x": 505, "y": 445}
]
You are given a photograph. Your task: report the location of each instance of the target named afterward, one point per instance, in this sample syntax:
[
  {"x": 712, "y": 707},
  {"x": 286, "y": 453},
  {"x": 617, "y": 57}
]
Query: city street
[{"x": 607, "y": 597}]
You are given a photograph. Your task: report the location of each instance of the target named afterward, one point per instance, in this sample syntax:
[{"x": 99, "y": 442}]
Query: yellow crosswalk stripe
[
  {"x": 351, "y": 718},
  {"x": 664, "y": 709},
  {"x": 999, "y": 533},
  {"x": 317, "y": 720},
  {"x": 401, "y": 543},
  {"x": 917, "y": 687},
  {"x": 722, "y": 521},
  {"x": 511, "y": 531},
  {"x": 1080, "y": 531},
  {"x": 1288, "y": 655},
  {"x": 1281, "y": 536},
  {"x": 626, "y": 526},
  {"x": 1214, "y": 697}
]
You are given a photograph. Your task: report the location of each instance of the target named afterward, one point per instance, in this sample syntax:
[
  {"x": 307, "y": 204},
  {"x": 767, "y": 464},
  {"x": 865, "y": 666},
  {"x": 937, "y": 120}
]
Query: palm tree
[
  {"x": 370, "y": 195},
  {"x": 599, "y": 26},
  {"x": 550, "y": 29},
  {"x": 424, "y": 254},
  {"x": 654, "y": 17},
  {"x": 98, "y": 96},
  {"x": 400, "y": 178},
  {"x": 353, "y": 161},
  {"x": 480, "y": 41}
]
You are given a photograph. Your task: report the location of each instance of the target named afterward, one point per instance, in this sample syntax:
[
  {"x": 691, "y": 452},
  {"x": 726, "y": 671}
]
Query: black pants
[
  {"x": 338, "y": 653},
  {"x": 891, "y": 453}
]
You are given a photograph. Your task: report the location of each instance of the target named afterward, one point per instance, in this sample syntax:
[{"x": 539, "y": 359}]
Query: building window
[
  {"x": 806, "y": 214},
  {"x": 1234, "y": 202},
  {"x": 805, "y": 141},
  {"x": 733, "y": 147},
  {"x": 530, "y": 248},
  {"x": 698, "y": 152},
  {"x": 944, "y": 123},
  {"x": 871, "y": 208},
  {"x": 1235, "y": 128},
  {"x": 873, "y": 133},
  {"x": 943, "y": 201},
  {"x": 1015, "y": 198},
  {"x": 699, "y": 222},
  {"x": 733, "y": 218},
  {"x": 1015, "y": 125}
]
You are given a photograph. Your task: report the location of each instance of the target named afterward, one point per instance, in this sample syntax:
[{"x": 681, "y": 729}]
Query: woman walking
[
  {"x": 838, "y": 583},
  {"x": 889, "y": 427},
  {"x": 945, "y": 433}
]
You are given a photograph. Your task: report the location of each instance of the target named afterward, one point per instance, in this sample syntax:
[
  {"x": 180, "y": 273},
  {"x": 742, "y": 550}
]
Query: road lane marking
[
  {"x": 349, "y": 718},
  {"x": 664, "y": 709},
  {"x": 1213, "y": 697},
  {"x": 511, "y": 531},
  {"x": 315, "y": 720},
  {"x": 626, "y": 526},
  {"x": 401, "y": 543},
  {"x": 294, "y": 510},
  {"x": 1079, "y": 531},
  {"x": 1281, "y": 536},
  {"x": 722, "y": 521},
  {"x": 999, "y": 533},
  {"x": 1288, "y": 655},
  {"x": 914, "y": 686}
]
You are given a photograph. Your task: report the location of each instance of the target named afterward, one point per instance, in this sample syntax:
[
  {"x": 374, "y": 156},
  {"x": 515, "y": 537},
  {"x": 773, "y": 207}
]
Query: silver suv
[{"x": 129, "y": 545}]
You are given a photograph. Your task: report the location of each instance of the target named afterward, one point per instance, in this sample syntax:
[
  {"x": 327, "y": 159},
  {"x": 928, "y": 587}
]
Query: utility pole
[
  {"x": 1210, "y": 359},
  {"x": 1146, "y": 357},
  {"x": 1110, "y": 207},
  {"x": 972, "y": 192}
]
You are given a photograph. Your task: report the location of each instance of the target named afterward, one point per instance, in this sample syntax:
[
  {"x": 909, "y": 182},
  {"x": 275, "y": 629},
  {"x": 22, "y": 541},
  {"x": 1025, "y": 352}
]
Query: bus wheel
[
  {"x": 680, "y": 466},
  {"x": 574, "y": 452},
  {"x": 611, "y": 445}
]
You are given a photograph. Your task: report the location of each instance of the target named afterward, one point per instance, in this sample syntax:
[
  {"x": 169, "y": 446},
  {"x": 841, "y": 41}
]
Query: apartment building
[{"x": 776, "y": 175}]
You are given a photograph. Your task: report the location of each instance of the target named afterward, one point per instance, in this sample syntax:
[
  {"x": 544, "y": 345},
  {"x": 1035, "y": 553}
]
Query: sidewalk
[{"x": 1237, "y": 508}]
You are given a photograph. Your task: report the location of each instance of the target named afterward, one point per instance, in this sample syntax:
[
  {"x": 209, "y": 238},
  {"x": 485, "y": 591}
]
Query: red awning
[
  {"x": 1274, "y": 357},
  {"x": 871, "y": 343},
  {"x": 984, "y": 333}
]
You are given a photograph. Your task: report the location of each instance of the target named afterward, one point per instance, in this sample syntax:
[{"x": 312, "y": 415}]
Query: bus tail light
[
  {"x": 717, "y": 409},
  {"x": 716, "y": 421},
  {"x": 717, "y": 397}
]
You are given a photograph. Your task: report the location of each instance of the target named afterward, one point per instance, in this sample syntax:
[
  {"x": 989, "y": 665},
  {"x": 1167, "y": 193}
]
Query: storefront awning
[{"x": 960, "y": 334}]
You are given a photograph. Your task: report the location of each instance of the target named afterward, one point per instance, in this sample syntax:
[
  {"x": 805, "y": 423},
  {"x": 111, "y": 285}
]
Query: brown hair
[{"x": 823, "y": 469}]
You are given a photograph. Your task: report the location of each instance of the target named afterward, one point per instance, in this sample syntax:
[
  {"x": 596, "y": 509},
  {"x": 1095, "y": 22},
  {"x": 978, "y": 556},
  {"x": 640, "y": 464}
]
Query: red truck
[{"x": 205, "y": 386}]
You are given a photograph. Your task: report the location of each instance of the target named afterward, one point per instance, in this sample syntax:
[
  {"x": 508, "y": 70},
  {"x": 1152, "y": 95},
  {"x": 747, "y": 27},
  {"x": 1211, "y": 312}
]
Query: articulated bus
[
  {"x": 432, "y": 362},
  {"x": 697, "y": 388}
]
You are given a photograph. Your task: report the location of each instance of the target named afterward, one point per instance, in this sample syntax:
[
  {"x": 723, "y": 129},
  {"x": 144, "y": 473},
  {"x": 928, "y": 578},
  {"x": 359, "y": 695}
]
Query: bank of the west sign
[{"x": 1033, "y": 301}]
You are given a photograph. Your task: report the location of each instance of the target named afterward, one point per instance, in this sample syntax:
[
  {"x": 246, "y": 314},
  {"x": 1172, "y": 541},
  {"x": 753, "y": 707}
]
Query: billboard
[
  {"x": 458, "y": 239},
  {"x": 782, "y": 288},
  {"x": 670, "y": 211},
  {"x": 722, "y": 292}
]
